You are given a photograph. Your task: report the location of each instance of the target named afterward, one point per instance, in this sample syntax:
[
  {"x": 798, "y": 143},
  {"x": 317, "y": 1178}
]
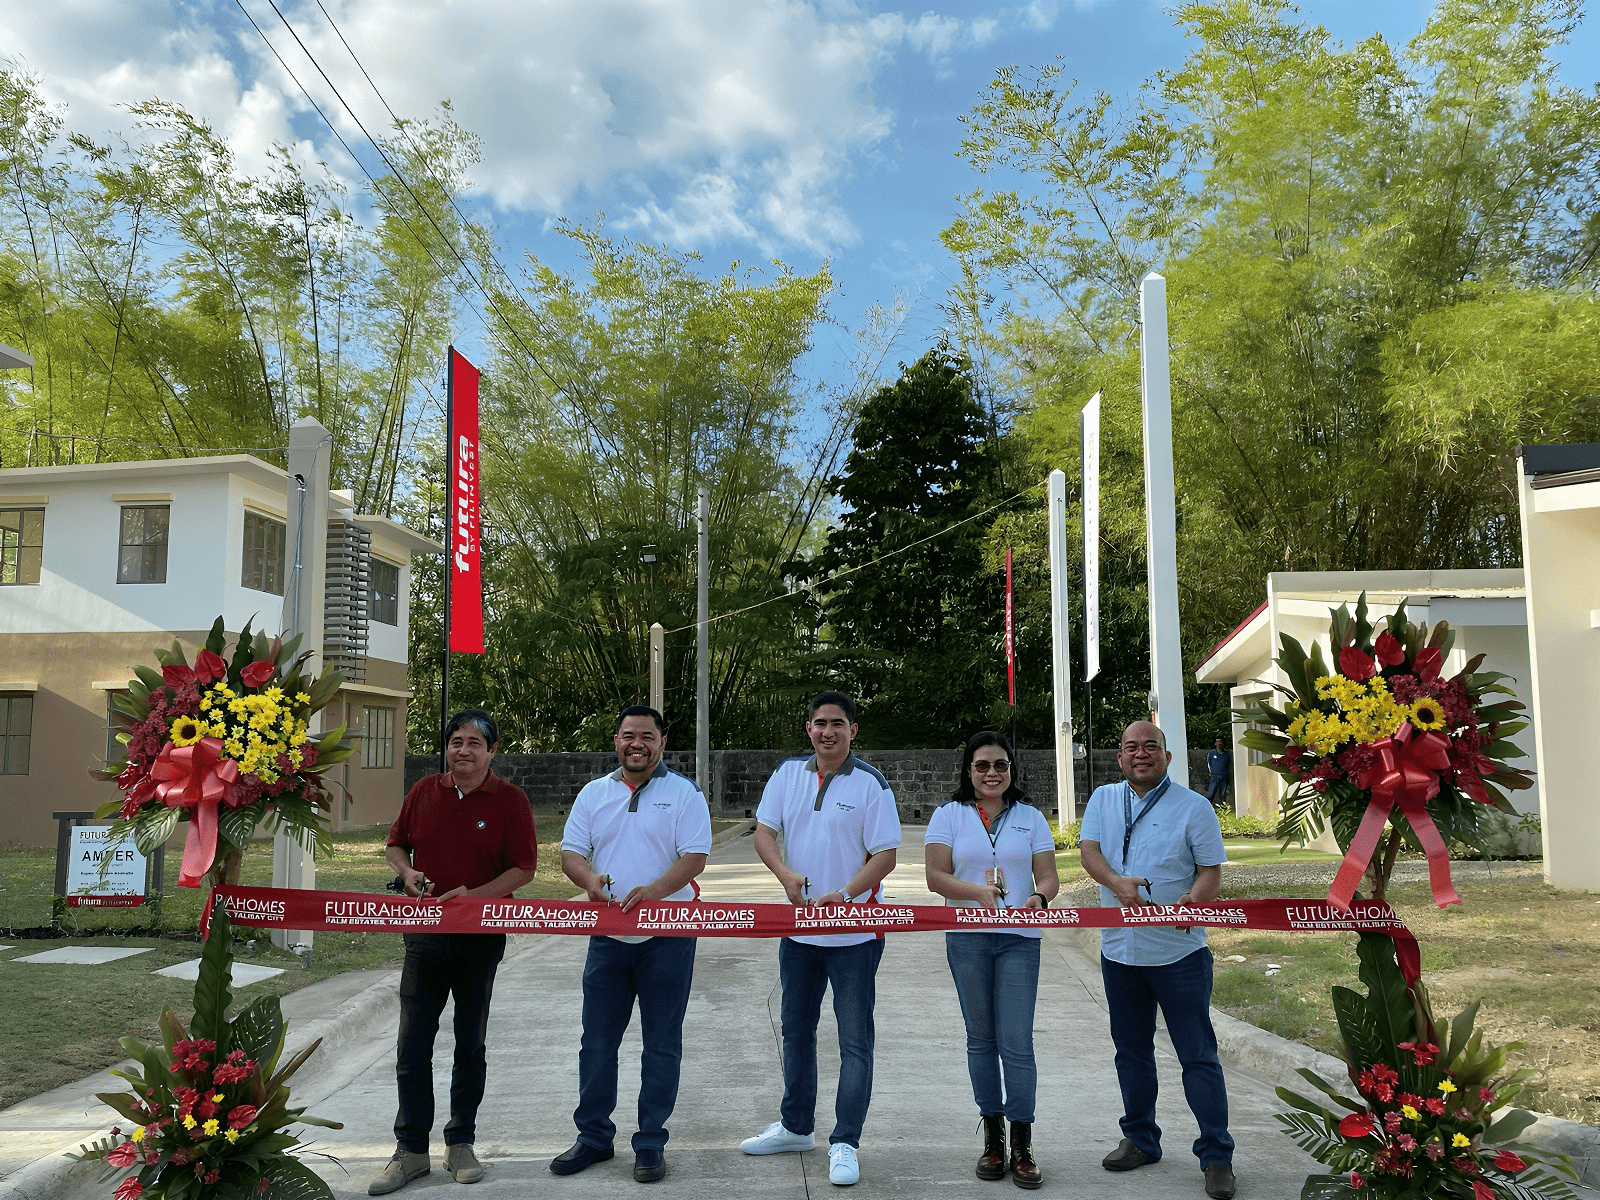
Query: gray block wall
[{"x": 920, "y": 779}]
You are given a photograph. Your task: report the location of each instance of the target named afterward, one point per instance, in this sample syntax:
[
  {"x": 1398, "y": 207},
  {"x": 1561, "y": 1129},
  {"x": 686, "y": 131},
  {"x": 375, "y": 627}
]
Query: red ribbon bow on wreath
[
  {"x": 199, "y": 778},
  {"x": 1407, "y": 774}
]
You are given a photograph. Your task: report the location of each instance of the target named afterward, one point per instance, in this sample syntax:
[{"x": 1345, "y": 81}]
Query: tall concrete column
[
  {"x": 306, "y": 545},
  {"x": 1061, "y": 649},
  {"x": 702, "y": 674},
  {"x": 1161, "y": 527}
]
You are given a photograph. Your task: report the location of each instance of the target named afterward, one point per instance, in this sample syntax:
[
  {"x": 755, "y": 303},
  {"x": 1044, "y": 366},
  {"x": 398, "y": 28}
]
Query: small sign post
[{"x": 102, "y": 873}]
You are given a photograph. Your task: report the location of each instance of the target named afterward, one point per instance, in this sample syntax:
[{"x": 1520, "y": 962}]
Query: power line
[{"x": 811, "y": 587}]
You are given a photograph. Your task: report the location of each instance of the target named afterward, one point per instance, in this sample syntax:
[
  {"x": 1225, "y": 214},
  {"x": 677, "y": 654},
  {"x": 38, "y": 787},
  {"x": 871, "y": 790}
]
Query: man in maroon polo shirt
[{"x": 463, "y": 833}]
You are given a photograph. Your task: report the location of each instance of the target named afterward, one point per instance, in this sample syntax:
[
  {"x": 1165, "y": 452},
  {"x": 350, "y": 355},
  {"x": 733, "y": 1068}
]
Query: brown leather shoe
[
  {"x": 1024, "y": 1171},
  {"x": 993, "y": 1163}
]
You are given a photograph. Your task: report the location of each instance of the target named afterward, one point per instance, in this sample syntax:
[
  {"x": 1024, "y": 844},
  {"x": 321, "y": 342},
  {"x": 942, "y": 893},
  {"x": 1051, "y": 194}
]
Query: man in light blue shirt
[{"x": 1150, "y": 840}]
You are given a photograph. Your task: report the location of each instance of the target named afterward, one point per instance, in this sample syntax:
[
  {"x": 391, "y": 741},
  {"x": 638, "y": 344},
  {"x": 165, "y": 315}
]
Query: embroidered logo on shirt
[
  {"x": 662, "y": 804},
  {"x": 844, "y": 807}
]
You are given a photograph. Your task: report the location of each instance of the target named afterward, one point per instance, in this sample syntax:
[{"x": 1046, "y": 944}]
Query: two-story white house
[{"x": 102, "y": 563}]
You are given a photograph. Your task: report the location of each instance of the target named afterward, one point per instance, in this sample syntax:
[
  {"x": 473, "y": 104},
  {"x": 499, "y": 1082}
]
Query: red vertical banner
[
  {"x": 1011, "y": 640},
  {"x": 466, "y": 560}
]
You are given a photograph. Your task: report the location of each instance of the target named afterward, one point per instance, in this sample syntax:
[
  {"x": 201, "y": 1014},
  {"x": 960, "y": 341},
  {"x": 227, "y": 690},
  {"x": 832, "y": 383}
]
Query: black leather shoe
[
  {"x": 578, "y": 1158},
  {"x": 1219, "y": 1181},
  {"x": 651, "y": 1165},
  {"x": 1127, "y": 1156}
]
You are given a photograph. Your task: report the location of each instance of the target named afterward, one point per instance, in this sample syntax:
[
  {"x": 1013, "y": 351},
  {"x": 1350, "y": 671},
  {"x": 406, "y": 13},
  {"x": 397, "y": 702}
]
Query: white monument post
[
  {"x": 702, "y": 671},
  {"x": 1160, "y": 522},
  {"x": 1061, "y": 648},
  {"x": 310, "y": 465}
]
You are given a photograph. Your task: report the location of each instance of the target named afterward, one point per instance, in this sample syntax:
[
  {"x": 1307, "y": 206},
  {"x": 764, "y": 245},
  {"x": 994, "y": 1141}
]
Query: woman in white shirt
[{"x": 989, "y": 848}]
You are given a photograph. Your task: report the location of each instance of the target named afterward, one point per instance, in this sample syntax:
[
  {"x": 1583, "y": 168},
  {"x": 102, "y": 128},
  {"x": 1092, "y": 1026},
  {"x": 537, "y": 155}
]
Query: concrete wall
[
  {"x": 920, "y": 779},
  {"x": 1561, "y": 555}
]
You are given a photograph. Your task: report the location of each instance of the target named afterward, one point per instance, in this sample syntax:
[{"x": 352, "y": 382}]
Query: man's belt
[{"x": 284, "y": 908}]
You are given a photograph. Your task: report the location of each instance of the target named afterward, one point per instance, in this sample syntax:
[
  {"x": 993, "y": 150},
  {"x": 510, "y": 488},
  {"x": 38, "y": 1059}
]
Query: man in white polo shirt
[
  {"x": 641, "y": 833},
  {"x": 840, "y": 832}
]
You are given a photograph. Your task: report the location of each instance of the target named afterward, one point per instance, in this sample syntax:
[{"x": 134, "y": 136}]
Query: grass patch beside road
[{"x": 1529, "y": 952}]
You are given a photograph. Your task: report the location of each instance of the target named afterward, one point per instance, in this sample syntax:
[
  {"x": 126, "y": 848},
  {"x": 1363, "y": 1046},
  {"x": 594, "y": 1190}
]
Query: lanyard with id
[
  {"x": 1131, "y": 822},
  {"x": 994, "y": 876}
]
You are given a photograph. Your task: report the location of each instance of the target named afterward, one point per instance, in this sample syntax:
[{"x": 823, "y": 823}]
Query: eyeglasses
[
  {"x": 999, "y": 767},
  {"x": 1147, "y": 747}
]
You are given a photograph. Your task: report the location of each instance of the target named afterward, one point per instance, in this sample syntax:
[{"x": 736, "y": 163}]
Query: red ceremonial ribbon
[
  {"x": 286, "y": 908},
  {"x": 199, "y": 778},
  {"x": 1407, "y": 775}
]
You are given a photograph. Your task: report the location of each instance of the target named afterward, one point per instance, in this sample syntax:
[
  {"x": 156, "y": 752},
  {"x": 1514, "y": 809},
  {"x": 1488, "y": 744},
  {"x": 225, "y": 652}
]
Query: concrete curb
[
  {"x": 735, "y": 831},
  {"x": 56, "y": 1176}
]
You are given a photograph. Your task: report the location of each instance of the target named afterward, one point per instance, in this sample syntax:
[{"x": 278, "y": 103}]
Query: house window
[
  {"x": 142, "y": 545},
  {"x": 16, "y": 730},
  {"x": 263, "y": 553},
  {"x": 21, "y": 544},
  {"x": 378, "y": 751},
  {"x": 115, "y": 751},
  {"x": 384, "y": 598}
]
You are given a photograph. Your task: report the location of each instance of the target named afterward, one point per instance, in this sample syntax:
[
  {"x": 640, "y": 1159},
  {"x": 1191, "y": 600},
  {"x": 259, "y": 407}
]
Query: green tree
[
  {"x": 609, "y": 402},
  {"x": 1380, "y": 267},
  {"x": 914, "y": 613}
]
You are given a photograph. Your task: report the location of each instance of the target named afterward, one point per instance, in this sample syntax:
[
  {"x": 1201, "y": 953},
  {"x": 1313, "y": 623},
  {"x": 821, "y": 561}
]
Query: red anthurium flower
[
  {"x": 1356, "y": 1125},
  {"x": 1388, "y": 650},
  {"x": 209, "y": 667},
  {"x": 1357, "y": 664},
  {"x": 1428, "y": 663},
  {"x": 1356, "y": 1181},
  {"x": 124, "y": 1155},
  {"x": 1482, "y": 1191},
  {"x": 257, "y": 673},
  {"x": 241, "y": 1116},
  {"x": 1509, "y": 1162},
  {"x": 129, "y": 1189},
  {"x": 177, "y": 675}
]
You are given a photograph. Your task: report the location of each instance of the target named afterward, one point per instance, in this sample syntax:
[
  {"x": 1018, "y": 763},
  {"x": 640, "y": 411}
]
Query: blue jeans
[
  {"x": 997, "y": 981},
  {"x": 437, "y": 965},
  {"x": 806, "y": 971},
  {"x": 1183, "y": 990},
  {"x": 659, "y": 973},
  {"x": 1218, "y": 791}
]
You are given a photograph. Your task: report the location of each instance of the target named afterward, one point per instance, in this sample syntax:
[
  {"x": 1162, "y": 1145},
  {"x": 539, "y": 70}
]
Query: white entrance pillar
[
  {"x": 1160, "y": 522},
  {"x": 1061, "y": 649},
  {"x": 310, "y": 466}
]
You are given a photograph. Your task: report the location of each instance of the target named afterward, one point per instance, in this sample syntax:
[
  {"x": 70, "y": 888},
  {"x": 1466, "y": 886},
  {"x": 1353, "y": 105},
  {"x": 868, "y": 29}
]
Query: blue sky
[{"x": 744, "y": 129}]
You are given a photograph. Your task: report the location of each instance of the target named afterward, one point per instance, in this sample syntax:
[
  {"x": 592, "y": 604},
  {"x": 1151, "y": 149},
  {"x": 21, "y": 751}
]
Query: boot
[
  {"x": 993, "y": 1163},
  {"x": 1024, "y": 1171}
]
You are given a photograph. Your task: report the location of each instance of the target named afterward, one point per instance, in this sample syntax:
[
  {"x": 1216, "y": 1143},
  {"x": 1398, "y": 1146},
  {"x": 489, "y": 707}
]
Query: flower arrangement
[
  {"x": 209, "y": 1109},
  {"x": 225, "y": 745},
  {"x": 1387, "y": 731},
  {"x": 1422, "y": 1122}
]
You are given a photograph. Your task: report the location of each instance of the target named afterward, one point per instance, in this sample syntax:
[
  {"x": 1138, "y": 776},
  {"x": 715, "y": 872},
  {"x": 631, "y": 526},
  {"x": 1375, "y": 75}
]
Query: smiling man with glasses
[{"x": 1150, "y": 840}]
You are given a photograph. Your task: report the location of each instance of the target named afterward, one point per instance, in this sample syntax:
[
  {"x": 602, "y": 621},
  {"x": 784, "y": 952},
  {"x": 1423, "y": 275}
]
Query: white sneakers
[
  {"x": 843, "y": 1170},
  {"x": 775, "y": 1139}
]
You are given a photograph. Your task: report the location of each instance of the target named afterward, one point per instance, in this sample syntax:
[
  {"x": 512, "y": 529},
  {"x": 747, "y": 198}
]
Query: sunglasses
[{"x": 999, "y": 766}]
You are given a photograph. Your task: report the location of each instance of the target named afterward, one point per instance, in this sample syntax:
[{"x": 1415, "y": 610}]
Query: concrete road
[{"x": 919, "y": 1138}]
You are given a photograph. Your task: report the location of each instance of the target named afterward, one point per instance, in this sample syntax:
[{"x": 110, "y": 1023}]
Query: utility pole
[
  {"x": 1161, "y": 527},
  {"x": 310, "y": 467},
  {"x": 702, "y": 681},
  {"x": 1061, "y": 649},
  {"x": 658, "y": 667}
]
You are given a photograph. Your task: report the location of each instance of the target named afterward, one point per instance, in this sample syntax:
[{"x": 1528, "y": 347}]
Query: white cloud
[{"x": 713, "y": 120}]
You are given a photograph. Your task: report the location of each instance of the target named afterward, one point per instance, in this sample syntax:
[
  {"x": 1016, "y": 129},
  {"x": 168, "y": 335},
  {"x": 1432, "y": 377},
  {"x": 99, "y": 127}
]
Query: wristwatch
[{"x": 1042, "y": 897}]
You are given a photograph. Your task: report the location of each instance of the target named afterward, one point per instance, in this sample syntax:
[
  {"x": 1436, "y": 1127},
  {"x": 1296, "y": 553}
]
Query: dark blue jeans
[
  {"x": 997, "y": 981},
  {"x": 436, "y": 965},
  {"x": 658, "y": 973},
  {"x": 1183, "y": 990},
  {"x": 806, "y": 971},
  {"x": 1218, "y": 791}
]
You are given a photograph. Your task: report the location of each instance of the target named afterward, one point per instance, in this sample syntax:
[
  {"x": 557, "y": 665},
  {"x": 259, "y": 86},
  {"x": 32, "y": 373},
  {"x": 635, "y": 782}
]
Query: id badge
[{"x": 995, "y": 877}]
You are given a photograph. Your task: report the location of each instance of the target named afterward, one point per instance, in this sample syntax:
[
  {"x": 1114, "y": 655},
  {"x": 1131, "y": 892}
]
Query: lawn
[
  {"x": 62, "y": 1022},
  {"x": 1529, "y": 952},
  {"x": 1239, "y": 851}
]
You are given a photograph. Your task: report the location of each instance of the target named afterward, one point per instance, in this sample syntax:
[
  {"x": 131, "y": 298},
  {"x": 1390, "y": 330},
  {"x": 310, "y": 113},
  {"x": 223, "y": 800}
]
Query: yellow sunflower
[
  {"x": 186, "y": 731},
  {"x": 1427, "y": 714}
]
